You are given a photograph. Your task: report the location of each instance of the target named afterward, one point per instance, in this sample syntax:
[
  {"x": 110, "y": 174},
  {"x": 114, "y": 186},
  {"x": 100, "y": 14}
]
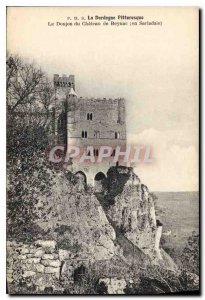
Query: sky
[{"x": 155, "y": 68}]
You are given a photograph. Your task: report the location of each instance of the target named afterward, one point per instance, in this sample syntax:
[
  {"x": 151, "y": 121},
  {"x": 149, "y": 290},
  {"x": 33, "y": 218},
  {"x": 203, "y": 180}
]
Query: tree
[
  {"x": 24, "y": 83},
  {"x": 29, "y": 96},
  {"x": 29, "y": 93}
]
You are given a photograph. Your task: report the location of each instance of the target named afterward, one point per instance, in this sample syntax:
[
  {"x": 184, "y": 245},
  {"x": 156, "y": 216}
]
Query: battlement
[
  {"x": 64, "y": 81},
  {"x": 92, "y": 100},
  {"x": 102, "y": 99}
]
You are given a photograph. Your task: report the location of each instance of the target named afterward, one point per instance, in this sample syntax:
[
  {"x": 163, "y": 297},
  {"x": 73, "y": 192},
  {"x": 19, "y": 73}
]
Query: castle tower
[
  {"x": 91, "y": 123},
  {"x": 63, "y": 85},
  {"x": 71, "y": 103}
]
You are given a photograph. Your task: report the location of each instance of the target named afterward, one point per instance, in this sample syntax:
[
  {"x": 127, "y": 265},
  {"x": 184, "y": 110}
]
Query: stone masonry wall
[
  {"x": 40, "y": 263},
  {"x": 43, "y": 266},
  {"x": 108, "y": 117}
]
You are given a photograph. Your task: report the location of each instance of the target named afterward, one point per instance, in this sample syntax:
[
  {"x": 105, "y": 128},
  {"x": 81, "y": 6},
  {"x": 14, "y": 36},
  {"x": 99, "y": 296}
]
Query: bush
[
  {"x": 28, "y": 176},
  {"x": 190, "y": 254},
  {"x": 86, "y": 282},
  {"x": 156, "y": 280}
]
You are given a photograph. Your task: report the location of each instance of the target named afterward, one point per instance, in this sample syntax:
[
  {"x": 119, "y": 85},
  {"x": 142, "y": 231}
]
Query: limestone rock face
[
  {"x": 131, "y": 209},
  {"x": 134, "y": 215},
  {"x": 75, "y": 219}
]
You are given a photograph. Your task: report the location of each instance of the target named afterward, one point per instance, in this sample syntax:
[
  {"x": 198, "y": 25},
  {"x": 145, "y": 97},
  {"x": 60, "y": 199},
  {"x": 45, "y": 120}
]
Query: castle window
[
  {"x": 89, "y": 116},
  {"x": 117, "y": 135},
  {"x": 96, "y": 153},
  {"x": 84, "y": 134}
]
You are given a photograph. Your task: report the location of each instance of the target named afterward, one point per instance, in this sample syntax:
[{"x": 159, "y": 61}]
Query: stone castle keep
[{"x": 87, "y": 122}]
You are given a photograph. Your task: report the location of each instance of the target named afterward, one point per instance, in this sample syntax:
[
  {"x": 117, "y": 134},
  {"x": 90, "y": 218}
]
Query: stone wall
[
  {"x": 44, "y": 267},
  {"x": 41, "y": 264},
  {"x": 38, "y": 262}
]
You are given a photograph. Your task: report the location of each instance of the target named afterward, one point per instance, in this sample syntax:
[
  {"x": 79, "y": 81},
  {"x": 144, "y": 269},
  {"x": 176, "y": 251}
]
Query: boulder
[
  {"x": 65, "y": 254},
  {"x": 51, "y": 263},
  {"x": 114, "y": 285},
  {"x": 33, "y": 260},
  {"x": 28, "y": 273},
  {"x": 46, "y": 244},
  {"x": 51, "y": 270},
  {"x": 39, "y": 268},
  {"x": 50, "y": 256},
  {"x": 39, "y": 253}
]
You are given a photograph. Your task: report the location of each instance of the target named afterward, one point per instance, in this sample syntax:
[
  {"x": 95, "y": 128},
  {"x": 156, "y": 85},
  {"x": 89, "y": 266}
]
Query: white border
[
  {"x": 102, "y": 3},
  {"x": 3, "y": 5}
]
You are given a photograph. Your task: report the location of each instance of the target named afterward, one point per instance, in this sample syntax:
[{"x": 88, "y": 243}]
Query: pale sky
[{"x": 155, "y": 68}]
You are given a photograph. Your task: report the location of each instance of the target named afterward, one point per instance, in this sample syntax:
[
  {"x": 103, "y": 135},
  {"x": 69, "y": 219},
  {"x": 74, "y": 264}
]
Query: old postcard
[{"x": 102, "y": 150}]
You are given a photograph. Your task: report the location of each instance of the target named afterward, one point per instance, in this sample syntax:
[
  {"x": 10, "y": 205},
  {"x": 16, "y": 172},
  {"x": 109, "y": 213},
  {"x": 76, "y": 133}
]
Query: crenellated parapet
[{"x": 64, "y": 81}]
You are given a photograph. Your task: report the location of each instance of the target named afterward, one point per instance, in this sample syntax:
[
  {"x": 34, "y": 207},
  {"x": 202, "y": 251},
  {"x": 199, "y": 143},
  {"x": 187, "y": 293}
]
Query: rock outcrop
[
  {"x": 130, "y": 207},
  {"x": 74, "y": 218},
  {"x": 79, "y": 227}
]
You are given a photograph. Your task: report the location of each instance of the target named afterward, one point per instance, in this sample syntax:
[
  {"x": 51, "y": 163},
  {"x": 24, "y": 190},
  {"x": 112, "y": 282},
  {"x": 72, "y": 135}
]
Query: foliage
[
  {"x": 71, "y": 177},
  {"x": 156, "y": 280},
  {"x": 61, "y": 229},
  {"x": 27, "y": 86},
  {"x": 66, "y": 244},
  {"x": 28, "y": 98},
  {"x": 27, "y": 177},
  {"x": 187, "y": 259},
  {"x": 190, "y": 255},
  {"x": 86, "y": 282}
]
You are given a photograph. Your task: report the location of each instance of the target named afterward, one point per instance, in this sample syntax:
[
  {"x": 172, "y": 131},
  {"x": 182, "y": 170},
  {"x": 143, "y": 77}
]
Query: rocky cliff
[
  {"x": 131, "y": 209},
  {"x": 114, "y": 230},
  {"x": 73, "y": 217}
]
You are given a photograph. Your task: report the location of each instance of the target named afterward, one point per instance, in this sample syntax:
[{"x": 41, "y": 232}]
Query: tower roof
[{"x": 72, "y": 92}]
